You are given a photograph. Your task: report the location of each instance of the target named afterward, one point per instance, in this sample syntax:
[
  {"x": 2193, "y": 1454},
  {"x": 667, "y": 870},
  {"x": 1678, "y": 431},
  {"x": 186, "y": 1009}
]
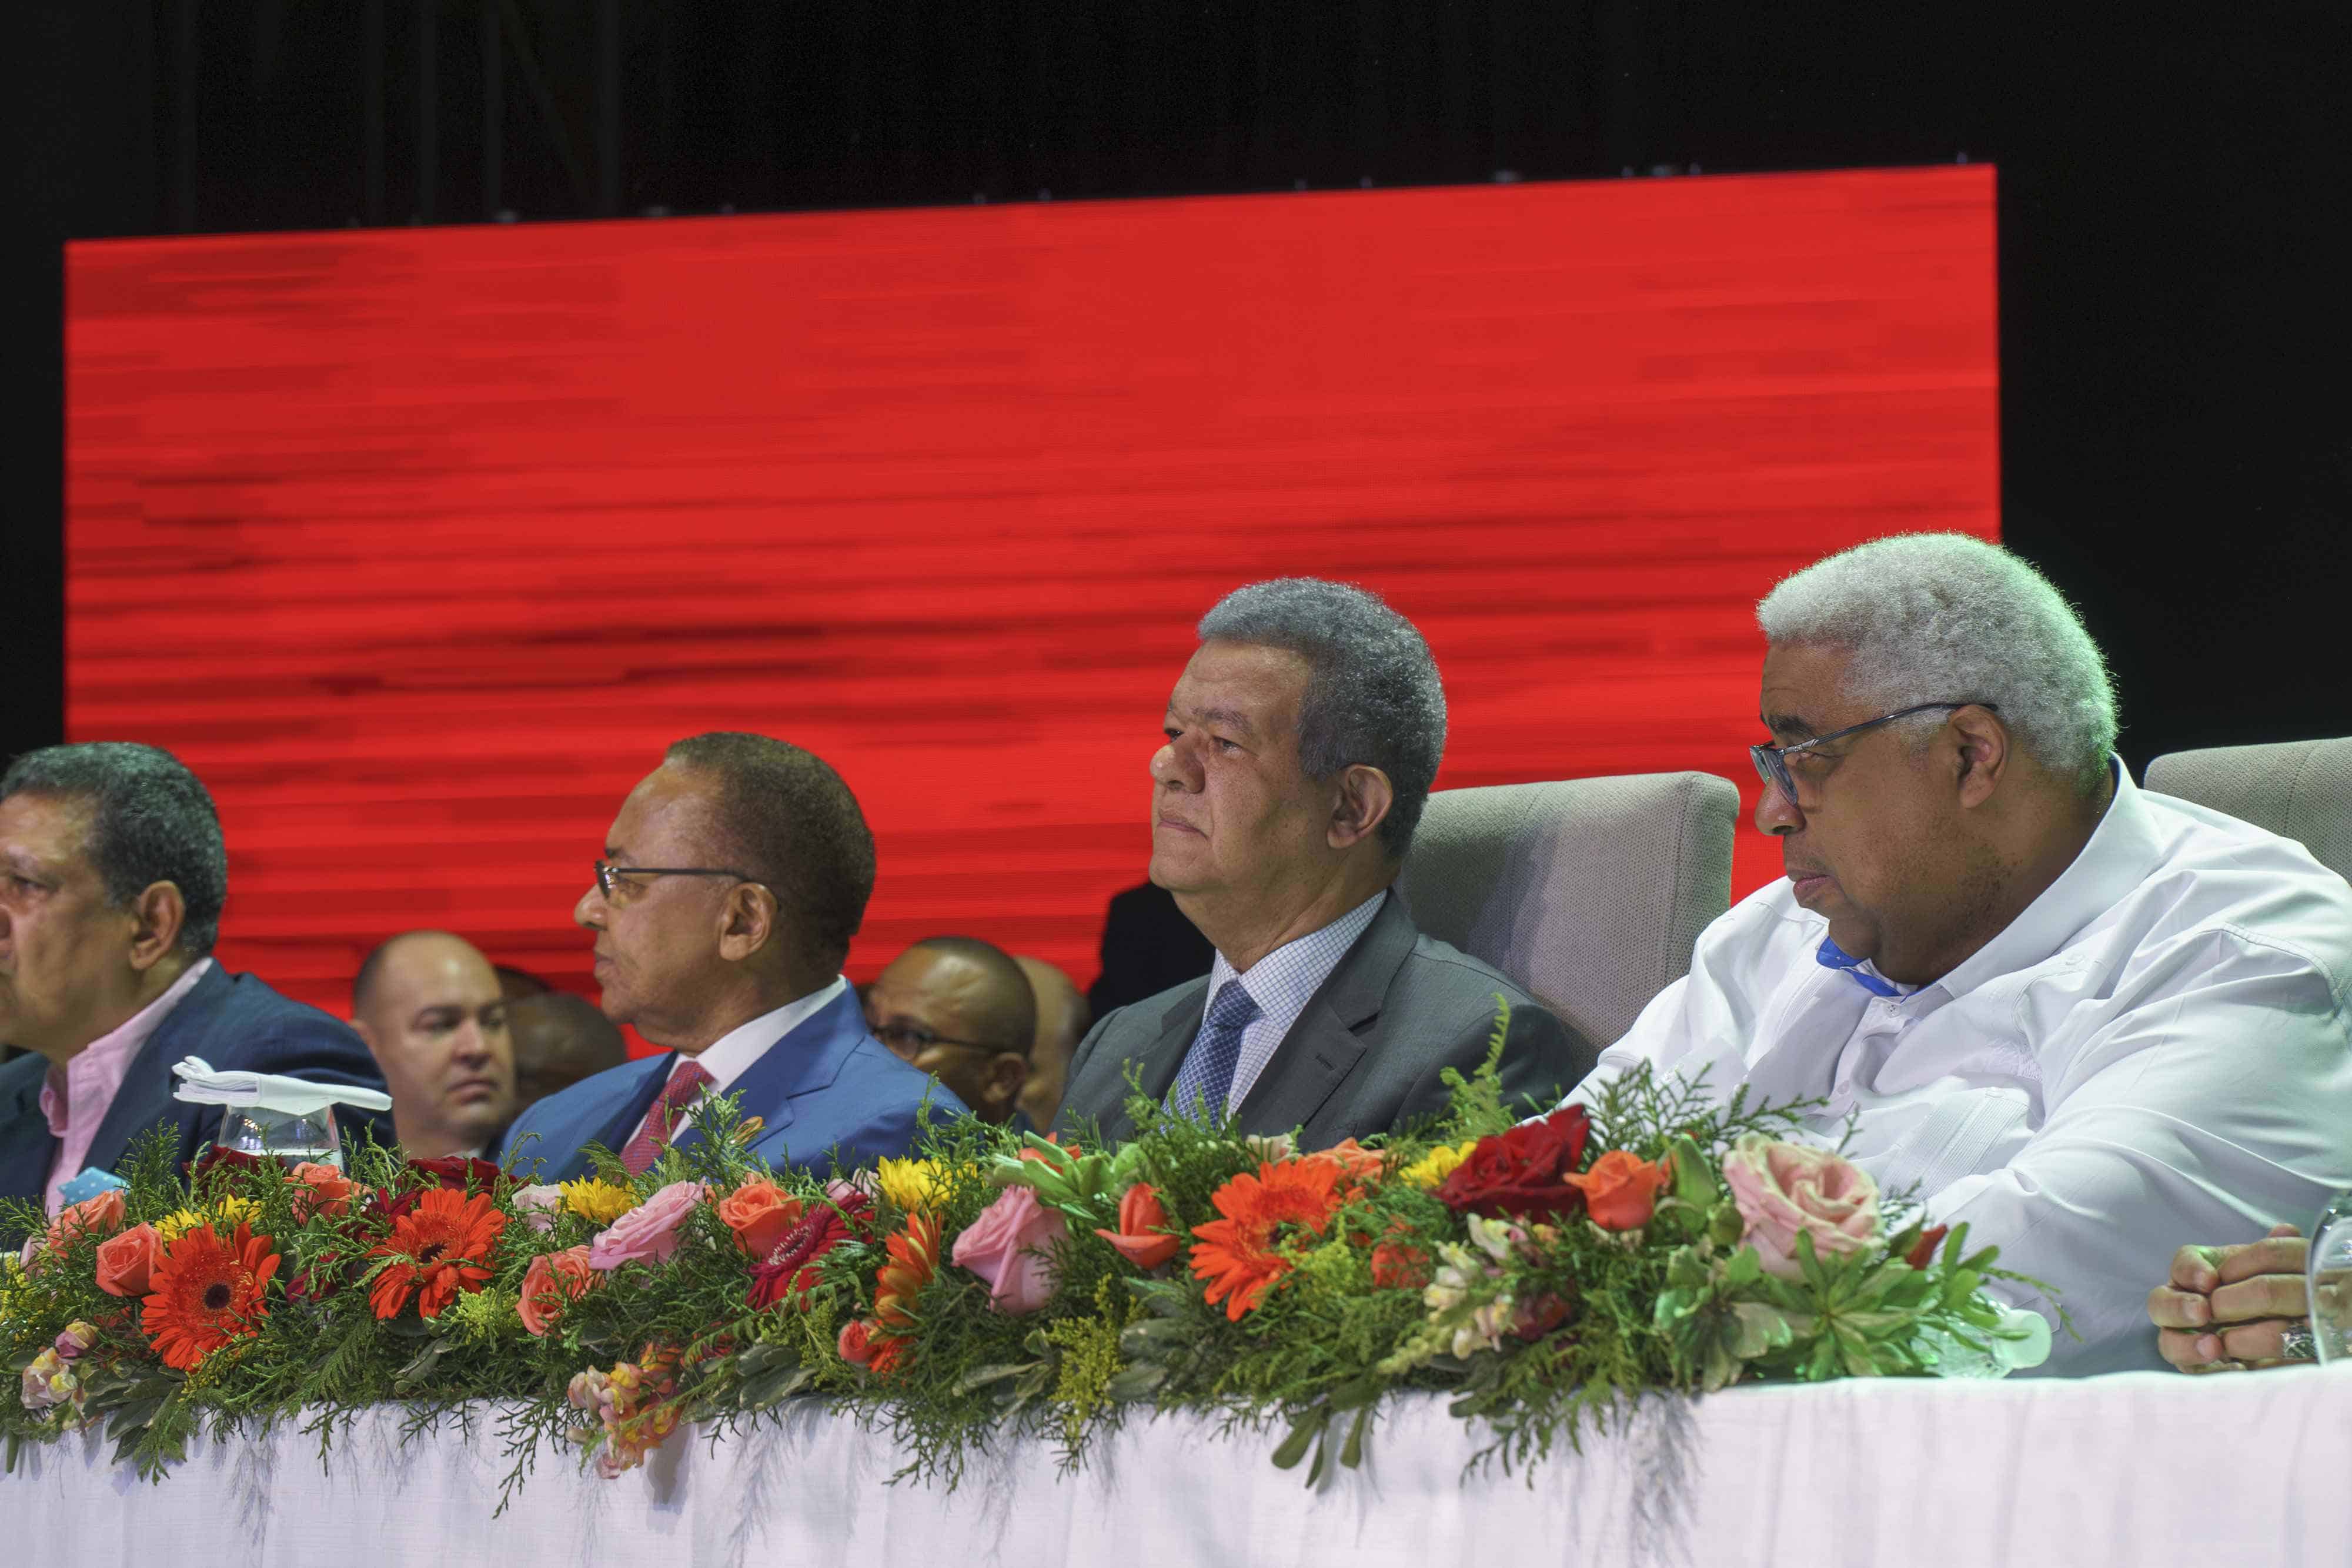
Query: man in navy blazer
[
  {"x": 112, "y": 876},
  {"x": 723, "y": 904}
]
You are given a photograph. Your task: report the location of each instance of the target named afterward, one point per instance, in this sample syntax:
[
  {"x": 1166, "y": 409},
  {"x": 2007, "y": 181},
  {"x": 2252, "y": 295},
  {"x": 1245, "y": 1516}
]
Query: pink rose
[
  {"x": 553, "y": 1281},
  {"x": 1786, "y": 1190},
  {"x": 861, "y": 1184},
  {"x": 537, "y": 1206},
  {"x": 649, "y": 1232},
  {"x": 1010, "y": 1246}
]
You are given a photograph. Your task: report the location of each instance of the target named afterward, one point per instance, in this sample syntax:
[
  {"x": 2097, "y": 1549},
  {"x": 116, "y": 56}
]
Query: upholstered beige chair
[
  {"x": 2299, "y": 789},
  {"x": 1588, "y": 892}
]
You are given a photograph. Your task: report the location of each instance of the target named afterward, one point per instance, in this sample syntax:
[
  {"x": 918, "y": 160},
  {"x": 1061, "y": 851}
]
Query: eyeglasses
[
  {"x": 910, "y": 1040},
  {"x": 608, "y": 876},
  {"x": 1772, "y": 761}
]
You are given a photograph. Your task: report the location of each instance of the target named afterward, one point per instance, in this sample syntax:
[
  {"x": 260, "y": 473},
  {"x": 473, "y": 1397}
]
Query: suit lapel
[
  {"x": 1328, "y": 1042},
  {"x": 621, "y": 1118},
  {"x": 145, "y": 1098},
  {"x": 1159, "y": 1062},
  {"x": 807, "y": 1058},
  {"x": 27, "y": 1144}
]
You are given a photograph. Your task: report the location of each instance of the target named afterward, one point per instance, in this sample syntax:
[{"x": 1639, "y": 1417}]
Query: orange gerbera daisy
[
  {"x": 207, "y": 1291},
  {"x": 914, "y": 1259},
  {"x": 1238, "y": 1255},
  {"x": 442, "y": 1246}
]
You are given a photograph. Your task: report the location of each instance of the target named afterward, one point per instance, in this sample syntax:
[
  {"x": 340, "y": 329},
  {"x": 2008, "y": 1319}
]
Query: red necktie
[{"x": 664, "y": 1114}]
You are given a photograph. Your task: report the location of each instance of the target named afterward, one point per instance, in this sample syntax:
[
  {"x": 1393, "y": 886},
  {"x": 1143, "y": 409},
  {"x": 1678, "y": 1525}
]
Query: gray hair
[
  {"x": 151, "y": 820},
  {"x": 1372, "y": 692},
  {"x": 1932, "y": 618}
]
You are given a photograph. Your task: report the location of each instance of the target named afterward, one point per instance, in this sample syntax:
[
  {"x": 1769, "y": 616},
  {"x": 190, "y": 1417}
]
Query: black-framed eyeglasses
[
  {"x": 1771, "y": 761},
  {"x": 608, "y": 875},
  {"x": 910, "y": 1040}
]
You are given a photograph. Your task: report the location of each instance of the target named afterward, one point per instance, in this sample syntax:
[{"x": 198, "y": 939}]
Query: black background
[{"x": 2174, "y": 251}]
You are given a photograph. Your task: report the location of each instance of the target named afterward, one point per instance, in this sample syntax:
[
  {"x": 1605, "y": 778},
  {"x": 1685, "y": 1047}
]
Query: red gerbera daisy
[
  {"x": 207, "y": 1291},
  {"x": 442, "y": 1246},
  {"x": 1238, "y": 1255}
]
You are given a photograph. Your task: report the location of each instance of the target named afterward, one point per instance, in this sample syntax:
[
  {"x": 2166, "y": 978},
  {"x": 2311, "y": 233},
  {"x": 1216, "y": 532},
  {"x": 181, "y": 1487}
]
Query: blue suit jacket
[
  {"x": 234, "y": 1021},
  {"x": 826, "y": 1087}
]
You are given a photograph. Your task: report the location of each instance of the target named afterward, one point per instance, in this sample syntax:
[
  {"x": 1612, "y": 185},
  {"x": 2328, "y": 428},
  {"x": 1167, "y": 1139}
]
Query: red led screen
[{"x": 419, "y": 545}]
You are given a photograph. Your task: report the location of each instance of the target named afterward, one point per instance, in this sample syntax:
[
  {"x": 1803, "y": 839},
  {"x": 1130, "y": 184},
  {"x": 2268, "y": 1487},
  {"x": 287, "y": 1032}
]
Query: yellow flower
[
  {"x": 598, "y": 1201},
  {"x": 1437, "y": 1164},
  {"x": 222, "y": 1216},
  {"x": 908, "y": 1184}
]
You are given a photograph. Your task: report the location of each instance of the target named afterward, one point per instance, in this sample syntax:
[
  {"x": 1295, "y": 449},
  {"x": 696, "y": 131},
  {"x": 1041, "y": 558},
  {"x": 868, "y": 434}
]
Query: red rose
[
  {"x": 218, "y": 1158},
  {"x": 1539, "y": 1317},
  {"x": 1518, "y": 1173},
  {"x": 458, "y": 1172},
  {"x": 1139, "y": 1238},
  {"x": 1923, "y": 1252}
]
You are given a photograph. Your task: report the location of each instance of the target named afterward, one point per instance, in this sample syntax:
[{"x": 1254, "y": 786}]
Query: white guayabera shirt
[{"x": 2156, "y": 1052}]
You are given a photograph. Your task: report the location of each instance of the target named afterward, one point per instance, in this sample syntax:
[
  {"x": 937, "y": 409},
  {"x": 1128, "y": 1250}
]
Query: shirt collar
[
  {"x": 1283, "y": 981},
  {"x": 730, "y": 1056},
  {"x": 83, "y": 1088},
  {"x": 2118, "y": 856}
]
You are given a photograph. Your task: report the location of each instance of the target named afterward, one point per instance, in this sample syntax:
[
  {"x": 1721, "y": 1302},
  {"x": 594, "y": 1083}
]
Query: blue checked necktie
[{"x": 1207, "y": 1074}]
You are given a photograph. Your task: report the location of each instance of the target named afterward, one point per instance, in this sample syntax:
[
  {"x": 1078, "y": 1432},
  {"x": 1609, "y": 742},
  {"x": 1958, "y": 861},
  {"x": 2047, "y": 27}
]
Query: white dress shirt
[
  {"x": 1281, "y": 984},
  {"x": 2155, "y": 1053},
  {"x": 730, "y": 1056}
]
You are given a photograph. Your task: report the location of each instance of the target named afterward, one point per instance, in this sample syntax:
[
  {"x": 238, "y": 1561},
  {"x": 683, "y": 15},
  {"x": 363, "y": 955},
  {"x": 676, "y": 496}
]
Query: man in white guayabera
[{"x": 2085, "y": 1019}]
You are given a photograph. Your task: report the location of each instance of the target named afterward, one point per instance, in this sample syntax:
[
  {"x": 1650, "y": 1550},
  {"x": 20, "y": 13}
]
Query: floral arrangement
[{"x": 1539, "y": 1272}]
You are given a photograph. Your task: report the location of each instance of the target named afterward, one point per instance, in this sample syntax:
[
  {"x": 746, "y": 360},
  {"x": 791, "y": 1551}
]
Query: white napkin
[{"x": 200, "y": 1085}]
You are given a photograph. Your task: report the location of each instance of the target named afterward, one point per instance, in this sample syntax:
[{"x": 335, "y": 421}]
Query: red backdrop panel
[{"x": 419, "y": 545}]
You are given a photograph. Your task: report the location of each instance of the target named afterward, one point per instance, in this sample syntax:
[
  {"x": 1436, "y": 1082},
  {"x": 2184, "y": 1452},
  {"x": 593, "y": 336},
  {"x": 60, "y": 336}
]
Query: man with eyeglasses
[
  {"x": 958, "y": 1009},
  {"x": 2088, "y": 1021},
  {"x": 729, "y": 887}
]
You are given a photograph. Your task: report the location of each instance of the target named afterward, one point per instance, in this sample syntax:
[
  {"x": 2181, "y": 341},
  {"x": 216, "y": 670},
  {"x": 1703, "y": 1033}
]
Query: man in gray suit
[{"x": 1301, "y": 744}]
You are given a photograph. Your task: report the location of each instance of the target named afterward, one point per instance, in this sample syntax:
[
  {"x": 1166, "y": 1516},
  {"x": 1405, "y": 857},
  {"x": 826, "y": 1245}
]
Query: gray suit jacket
[{"x": 1363, "y": 1059}]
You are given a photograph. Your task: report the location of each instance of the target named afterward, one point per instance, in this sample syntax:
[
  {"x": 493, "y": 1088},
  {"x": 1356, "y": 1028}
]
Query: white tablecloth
[{"x": 2139, "y": 1468}]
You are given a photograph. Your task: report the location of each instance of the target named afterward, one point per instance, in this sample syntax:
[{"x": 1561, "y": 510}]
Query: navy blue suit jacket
[
  {"x": 825, "y": 1088},
  {"x": 234, "y": 1021}
]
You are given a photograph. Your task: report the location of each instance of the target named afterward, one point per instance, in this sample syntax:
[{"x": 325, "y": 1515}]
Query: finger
[
  {"x": 2285, "y": 1231},
  {"x": 2256, "y": 1341},
  {"x": 2189, "y": 1351},
  {"x": 2171, "y": 1309},
  {"x": 2264, "y": 1296},
  {"x": 2278, "y": 1255},
  {"x": 2194, "y": 1269}
]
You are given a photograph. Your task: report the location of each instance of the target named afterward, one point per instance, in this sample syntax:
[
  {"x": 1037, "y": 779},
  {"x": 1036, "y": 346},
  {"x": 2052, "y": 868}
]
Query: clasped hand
[{"x": 2228, "y": 1308}]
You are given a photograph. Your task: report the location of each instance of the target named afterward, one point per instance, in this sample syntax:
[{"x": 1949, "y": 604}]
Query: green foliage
[{"x": 1533, "y": 1325}]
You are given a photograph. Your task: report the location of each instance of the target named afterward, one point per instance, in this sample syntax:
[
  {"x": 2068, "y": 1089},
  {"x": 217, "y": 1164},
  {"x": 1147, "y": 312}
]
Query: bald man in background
[
  {"x": 430, "y": 1007},
  {"x": 961, "y": 1009},
  {"x": 1063, "y": 1019},
  {"x": 559, "y": 1039}
]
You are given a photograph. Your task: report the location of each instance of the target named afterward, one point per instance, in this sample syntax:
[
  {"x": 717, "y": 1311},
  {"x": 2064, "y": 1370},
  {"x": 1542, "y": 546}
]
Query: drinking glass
[
  {"x": 2331, "y": 1282},
  {"x": 287, "y": 1136}
]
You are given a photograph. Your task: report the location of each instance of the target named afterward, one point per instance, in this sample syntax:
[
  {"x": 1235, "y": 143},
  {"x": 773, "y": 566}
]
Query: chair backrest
[
  {"x": 2299, "y": 789},
  {"x": 1589, "y": 892}
]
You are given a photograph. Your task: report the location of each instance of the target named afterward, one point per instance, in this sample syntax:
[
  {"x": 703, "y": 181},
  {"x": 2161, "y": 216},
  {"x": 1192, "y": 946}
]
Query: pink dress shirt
[{"x": 77, "y": 1096}]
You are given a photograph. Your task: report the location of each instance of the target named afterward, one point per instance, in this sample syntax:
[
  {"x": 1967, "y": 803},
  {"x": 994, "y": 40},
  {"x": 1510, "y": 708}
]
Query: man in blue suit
[
  {"x": 733, "y": 879},
  {"x": 112, "y": 876}
]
